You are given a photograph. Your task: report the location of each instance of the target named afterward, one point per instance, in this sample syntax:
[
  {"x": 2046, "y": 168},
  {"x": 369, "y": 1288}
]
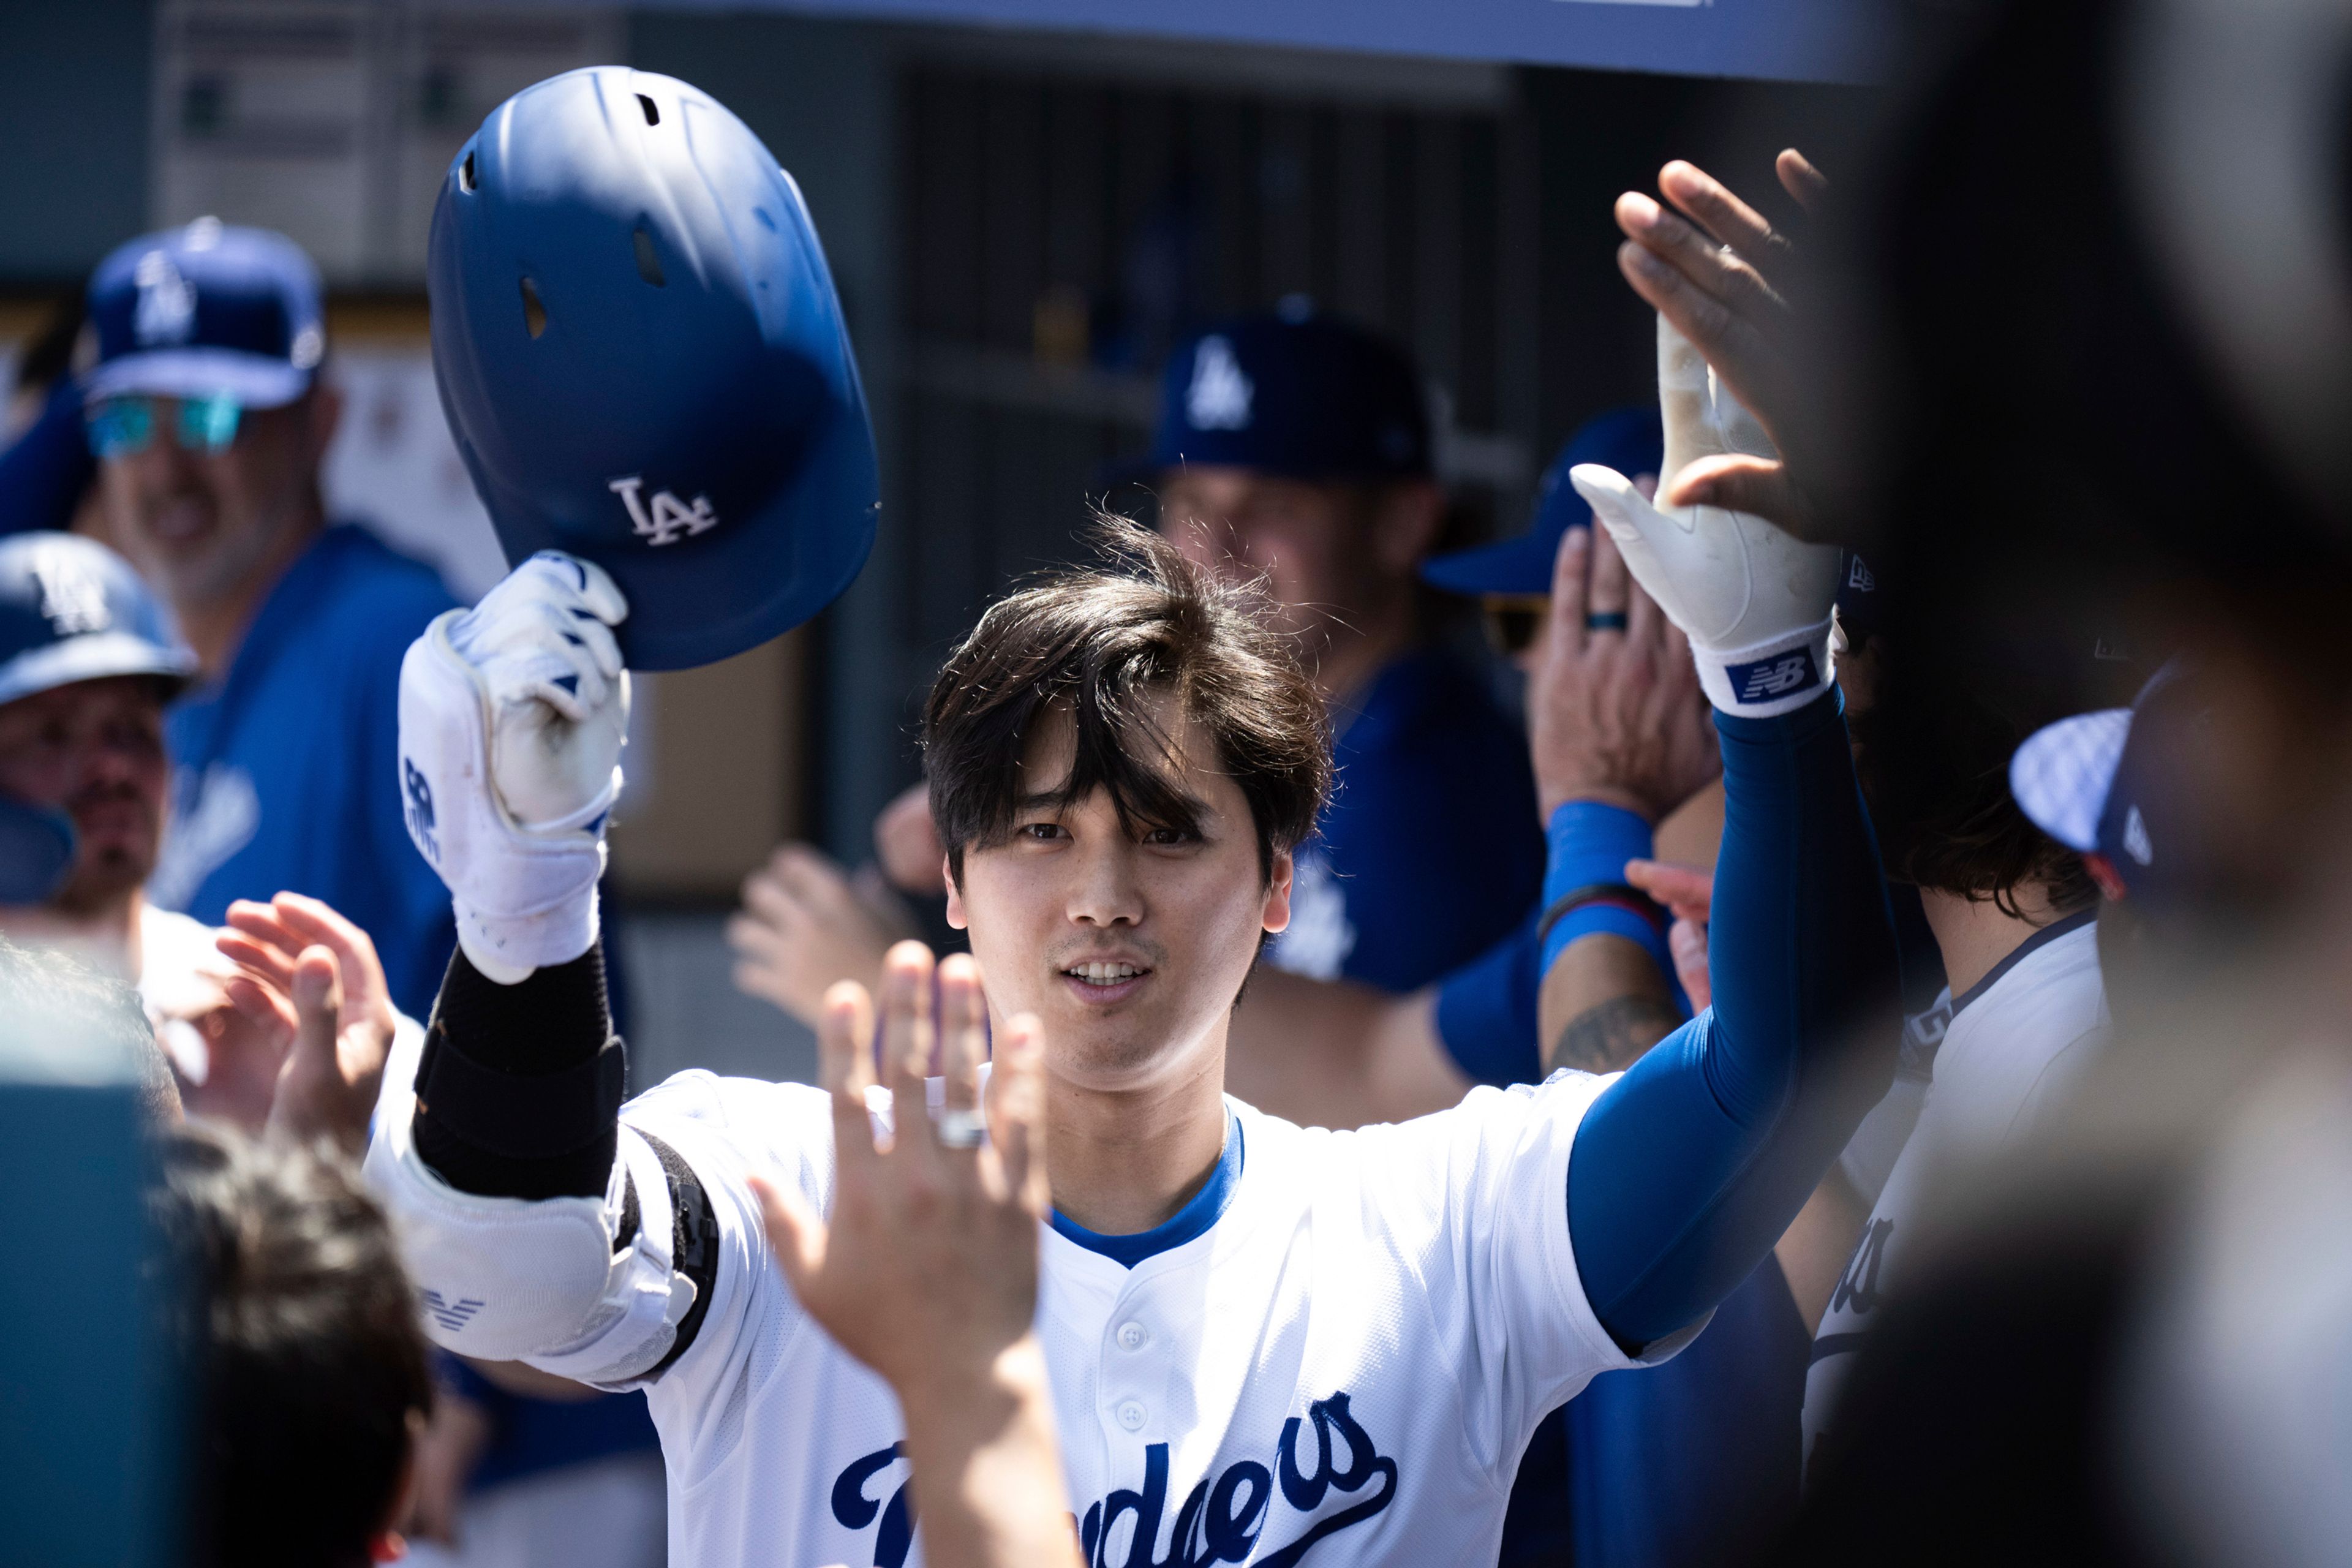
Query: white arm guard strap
[{"x": 537, "y": 1280}]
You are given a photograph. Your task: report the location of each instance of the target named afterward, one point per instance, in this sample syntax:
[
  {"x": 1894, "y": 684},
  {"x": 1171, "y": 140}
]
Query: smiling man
[
  {"x": 210, "y": 422},
  {"x": 1265, "y": 1343}
]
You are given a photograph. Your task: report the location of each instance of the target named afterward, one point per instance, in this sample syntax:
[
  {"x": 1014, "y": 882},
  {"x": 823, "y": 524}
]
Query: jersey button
[
  {"x": 1133, "y": 1336},
  {"x": 1130, "y": 1415}
]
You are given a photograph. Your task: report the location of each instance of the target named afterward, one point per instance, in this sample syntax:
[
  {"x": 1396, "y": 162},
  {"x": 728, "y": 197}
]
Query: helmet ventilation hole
[
  {"x": 534, "y": 314},
  {"x": 649, "y": 262},
  {"x": 653, "y": 115},
  {"x": 466, "y": 173}
]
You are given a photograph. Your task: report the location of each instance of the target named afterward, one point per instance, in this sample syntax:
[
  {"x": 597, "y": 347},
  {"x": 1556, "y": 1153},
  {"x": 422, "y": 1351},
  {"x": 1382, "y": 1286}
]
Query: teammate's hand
[
  {"x": 1753, "y": 599},
  {"x": 804, "y": 925},
  {"x": 907, "y": 843},
  {"x": 511, "y": 721},
  {"x": 928, "y": 1270},
  {"x": 228, "y": 1058},
  {"x": 1689, "y": 894},
  {"x": 1614, "y": 711},
  {"x": 314, "y": 974},
  {"x": 1725, "y": 279}
]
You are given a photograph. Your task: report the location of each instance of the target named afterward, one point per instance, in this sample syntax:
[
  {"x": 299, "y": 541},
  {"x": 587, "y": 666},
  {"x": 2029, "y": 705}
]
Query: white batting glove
[
  {"x": 511, "y": 721},
  {"x": 1754, "y": 600}
]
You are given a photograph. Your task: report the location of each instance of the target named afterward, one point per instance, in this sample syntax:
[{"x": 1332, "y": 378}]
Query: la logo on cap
[
  {"x": 1219, "y": 397},
  {"x": 166, "y": 312}
]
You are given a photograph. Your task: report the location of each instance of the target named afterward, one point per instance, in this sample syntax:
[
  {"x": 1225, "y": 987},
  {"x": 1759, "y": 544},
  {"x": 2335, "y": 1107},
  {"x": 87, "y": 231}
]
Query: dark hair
[
  {"x": 1933, "y": 755},
  {"x": 303, "y": 1330},
  {"x": 42, "y": 991},
  {"x": 1090, "y": 642}
]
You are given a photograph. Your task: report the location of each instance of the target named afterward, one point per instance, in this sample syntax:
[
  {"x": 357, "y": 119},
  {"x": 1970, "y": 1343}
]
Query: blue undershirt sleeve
[{"x": 1687, "y": 1169}]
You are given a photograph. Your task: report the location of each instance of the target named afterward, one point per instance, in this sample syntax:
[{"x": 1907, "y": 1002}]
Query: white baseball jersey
[
  {"x": 2014, "y": 1040},
  {"x": 1344, "y": 1368}
]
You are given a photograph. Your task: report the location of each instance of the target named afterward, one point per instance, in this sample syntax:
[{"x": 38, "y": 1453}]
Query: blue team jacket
[
  {"x": 1430, "y": 851},
  {"x": 286, "y": 774}
]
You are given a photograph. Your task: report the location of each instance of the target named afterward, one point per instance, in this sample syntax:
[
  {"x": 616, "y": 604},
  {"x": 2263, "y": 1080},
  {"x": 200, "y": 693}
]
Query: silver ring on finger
[{"x": 961, "y": 1129}]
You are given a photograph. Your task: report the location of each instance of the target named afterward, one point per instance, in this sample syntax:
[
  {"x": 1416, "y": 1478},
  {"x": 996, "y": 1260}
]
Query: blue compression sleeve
[{"x": 1689, "y": 1167}]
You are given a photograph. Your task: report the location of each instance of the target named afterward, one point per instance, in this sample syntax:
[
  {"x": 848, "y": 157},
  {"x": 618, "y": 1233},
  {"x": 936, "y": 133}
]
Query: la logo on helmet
[{"x": 670, "y": 519}]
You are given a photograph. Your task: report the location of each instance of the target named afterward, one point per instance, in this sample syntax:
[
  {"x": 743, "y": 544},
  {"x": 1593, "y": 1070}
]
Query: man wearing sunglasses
[{"x": 209, "y": 421}]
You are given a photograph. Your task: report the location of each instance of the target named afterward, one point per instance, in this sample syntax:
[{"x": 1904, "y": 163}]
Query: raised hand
[
  {"x": 1721, "y": 275},
  {"x": 512, "y": 716},
  {"x": 931, "y": 1203},
  {"x": 311, "y": 973},
  {"x": 1614, "y": 711},
  {"x": 805, "y": 924},
  {"x": 927, "y": 1271},
  {"x": 1753, "y": 599}
]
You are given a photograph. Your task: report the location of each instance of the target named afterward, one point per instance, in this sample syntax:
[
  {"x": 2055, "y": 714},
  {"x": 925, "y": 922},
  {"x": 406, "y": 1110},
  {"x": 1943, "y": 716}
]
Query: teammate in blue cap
[
  {"x": 1298, "y": 445},
  {"x": 209, "y": 422},
  {"x": 88, "y": 661}
]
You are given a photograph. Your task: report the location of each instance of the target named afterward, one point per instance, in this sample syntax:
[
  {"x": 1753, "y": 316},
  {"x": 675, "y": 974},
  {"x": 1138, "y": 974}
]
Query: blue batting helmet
[{"x": 643, "y": 360}]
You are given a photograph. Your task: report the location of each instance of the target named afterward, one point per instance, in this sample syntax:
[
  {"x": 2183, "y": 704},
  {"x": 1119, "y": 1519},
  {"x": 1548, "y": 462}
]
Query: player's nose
[{"x": 1104, "y": 888}]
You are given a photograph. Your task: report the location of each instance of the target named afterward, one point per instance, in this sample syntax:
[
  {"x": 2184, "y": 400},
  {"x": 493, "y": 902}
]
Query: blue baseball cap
[
  {"x": 1292, "y": 393},
  {"x": 205, "y": 310},
  {"x": 2109, "y": 782},
  {"x": 71, "y": 609},
  {"x": 1630, "y": 441}
]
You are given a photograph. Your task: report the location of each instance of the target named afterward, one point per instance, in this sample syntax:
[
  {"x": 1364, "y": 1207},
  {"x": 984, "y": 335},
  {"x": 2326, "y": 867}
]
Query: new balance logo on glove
[
  {"x": 419, "y": 791},
  {"x": 1775, "y": 677}
]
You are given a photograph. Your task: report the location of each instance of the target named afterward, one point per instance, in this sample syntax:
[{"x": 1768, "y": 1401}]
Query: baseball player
[
  {"x": 88, "y": 662},
  {"x": 1264, "y": 1342},
  {"x": 2012, "y": 908},
  {"x": 210, "y": 421}
]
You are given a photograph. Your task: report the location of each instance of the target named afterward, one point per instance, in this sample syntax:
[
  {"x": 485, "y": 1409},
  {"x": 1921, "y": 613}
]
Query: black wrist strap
[{"x": 1633, "y": 898}]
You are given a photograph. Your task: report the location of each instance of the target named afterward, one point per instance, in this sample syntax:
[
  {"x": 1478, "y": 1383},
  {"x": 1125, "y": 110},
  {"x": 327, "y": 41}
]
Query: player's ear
[
  {"x": 1276, "y": 917},
  {"x": 956, "y": 917}
]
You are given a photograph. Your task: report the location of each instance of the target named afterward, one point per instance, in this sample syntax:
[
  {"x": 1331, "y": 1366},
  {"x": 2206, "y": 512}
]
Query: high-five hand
[
  {"x": 511, "y": 721},
  {"x": 1718, "y": 271},
  {"x": 1615, "y": 713},
  {"x": 928, "y": 1269},
  {"x": 310, "y": 972},
  {"x": 1753, "y": 599}
]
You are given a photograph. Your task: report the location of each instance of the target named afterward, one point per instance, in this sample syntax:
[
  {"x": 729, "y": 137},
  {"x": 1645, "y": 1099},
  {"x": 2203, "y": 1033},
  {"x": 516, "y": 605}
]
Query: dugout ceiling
[{"x": 1779, "y": 40}]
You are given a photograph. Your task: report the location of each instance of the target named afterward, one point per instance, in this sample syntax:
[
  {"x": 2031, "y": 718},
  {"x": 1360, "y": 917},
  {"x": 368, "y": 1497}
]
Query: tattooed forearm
[{"x": 1608, "y": 1037}]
